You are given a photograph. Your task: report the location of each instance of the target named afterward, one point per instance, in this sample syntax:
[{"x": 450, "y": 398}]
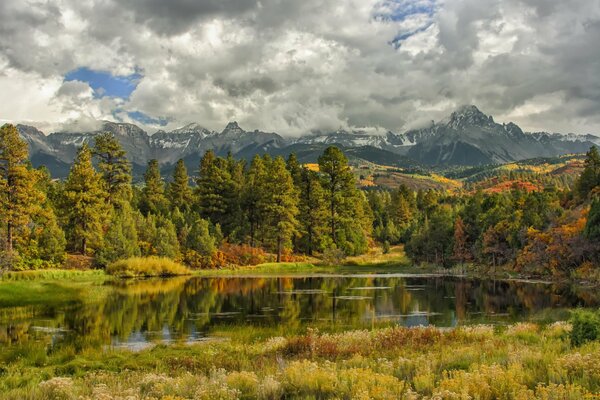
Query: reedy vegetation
[
  {"x": 236, "y": 212},
  {"x": 523, "y": 361}
]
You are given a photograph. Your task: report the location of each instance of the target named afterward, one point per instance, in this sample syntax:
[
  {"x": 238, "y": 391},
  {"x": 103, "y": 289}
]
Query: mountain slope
[{"x": 469, "y": 137}]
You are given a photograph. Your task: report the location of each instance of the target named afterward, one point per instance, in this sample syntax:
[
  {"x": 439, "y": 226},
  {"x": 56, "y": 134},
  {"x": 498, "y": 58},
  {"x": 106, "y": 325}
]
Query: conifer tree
[
  {"x": 114, "y": 168},
  {"x": 281, "y": 205},
  {"x": 215, "y": 191},
  {"x": 121, "y": 238},
  {"x": 153, "y": 199},
  {"x": 590, "y": 177},
  {"x": 19, "y": 197},
  {"x": 253, "y": 198},
  {"x": 180, "y": 193},
  {"x": 85, "y": 206},
  {"x": 312, "y": 211},
  {"x": 339, "y": 186},
  {"x": 293, "y": 166},
  {"x": 592, "y": 227}
]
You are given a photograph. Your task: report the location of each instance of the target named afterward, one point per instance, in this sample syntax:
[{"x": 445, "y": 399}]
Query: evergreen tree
[
  {"x": 50, "y": 238},
  {"x": 114, "y": 168},
  {"x": 253, "y": 201},
  {"x": 19, "y": 197},
  {"x": 590, "y": 177},
  {"x": 180, "y": 193},
  {"x": 592, "y": 227},
  {"x": 216, "y": 191},
  {"x": 312, "y": 211},
  {"x": 84, "y": 202},
  {"x": 157, "y": 236},
  {"x": 200, "y": 239},
  {"x": 153, "y": 199},
  {"x": 293, "y": 166},
  {"x": 121, "y": 238},
  {"x": 281, "y": 205},
  {"x": 339, "y": 186}
]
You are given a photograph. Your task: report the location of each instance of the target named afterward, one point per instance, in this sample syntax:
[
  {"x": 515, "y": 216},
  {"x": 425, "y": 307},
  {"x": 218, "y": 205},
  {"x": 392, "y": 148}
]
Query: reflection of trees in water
[{"x": 187, "y": 305}]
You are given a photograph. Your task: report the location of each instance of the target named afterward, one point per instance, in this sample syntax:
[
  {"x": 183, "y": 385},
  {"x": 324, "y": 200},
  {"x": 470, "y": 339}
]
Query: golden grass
[
  {"x": 146, "y": 267},
  {"x": 524, "y": 361}
]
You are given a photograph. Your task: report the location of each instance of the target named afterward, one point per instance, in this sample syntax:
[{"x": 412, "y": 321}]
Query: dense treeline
[
  {"x": 533, "y": 232},
  {"x": 233, "y": 212},
  {"x": 229, "y": 212}
]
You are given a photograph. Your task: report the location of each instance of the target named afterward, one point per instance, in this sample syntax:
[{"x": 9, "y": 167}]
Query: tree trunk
[
  {"x": 310, "y": 240},
  {"x": 9, "y": 237},
  {"x": 84, "y": 246},
  {"x": 333, "y": 222},
  {"x": 278, "y": 248}
]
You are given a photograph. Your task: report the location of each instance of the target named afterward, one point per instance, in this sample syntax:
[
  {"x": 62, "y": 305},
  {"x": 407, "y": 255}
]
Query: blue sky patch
[
  {"x": 401, "y": 37},
  {"x": 104, "y": 83},
  {"x": 399, "y": 10}
]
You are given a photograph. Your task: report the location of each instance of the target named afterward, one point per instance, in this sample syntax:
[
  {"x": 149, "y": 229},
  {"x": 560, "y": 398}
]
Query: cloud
[{"x": 294, "y": 67}]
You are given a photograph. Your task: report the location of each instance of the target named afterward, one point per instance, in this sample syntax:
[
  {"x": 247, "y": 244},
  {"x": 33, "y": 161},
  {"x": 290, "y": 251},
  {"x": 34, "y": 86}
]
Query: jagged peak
[
  {"x": 194, "y": 126},
  {"x": 233, "y": 125},
  {"x": 469, "y": 114}
]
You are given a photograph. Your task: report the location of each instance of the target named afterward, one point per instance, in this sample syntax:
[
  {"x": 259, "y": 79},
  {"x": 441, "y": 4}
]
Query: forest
[{"x": 233, "y": 212}]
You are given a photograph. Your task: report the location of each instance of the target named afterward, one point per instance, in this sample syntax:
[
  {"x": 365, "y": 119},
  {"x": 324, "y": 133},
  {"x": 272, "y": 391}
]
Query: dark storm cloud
[{"x": 295, "y": 66}]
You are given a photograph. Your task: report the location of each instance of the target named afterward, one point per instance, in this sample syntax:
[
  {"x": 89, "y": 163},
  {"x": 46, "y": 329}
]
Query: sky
[{"x": 293, "y": 67}]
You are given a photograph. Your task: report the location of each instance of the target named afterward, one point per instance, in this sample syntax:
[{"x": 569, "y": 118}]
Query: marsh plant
[{"x": 523, "y": 361}]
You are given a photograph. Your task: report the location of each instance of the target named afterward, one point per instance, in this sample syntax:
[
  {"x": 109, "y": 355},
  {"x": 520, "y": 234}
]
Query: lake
[{"x": 138, "y": 313}]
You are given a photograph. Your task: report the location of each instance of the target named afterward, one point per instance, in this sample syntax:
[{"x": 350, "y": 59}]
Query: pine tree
[
  {"x": 215, "y": 190},
  {"x": 19, "y": 197},
  {"x": 313, "y": 211},
  {"x": 121, "y": 238},
  {"x": 50, "y": 238},
  {"x": 157, "y": 236},
  {"x": 85, "y": 206},
  {"x": 281, "y": 205},
  {"x": 339, "y": 186},
  {"x": 199, "y": 238},
  {"x": 592, "y": 227},
  {"x": 590, "y": 177},
  {"x": 254, "y": 192},
  {"x": 180, "y": 193},
  {"x": 153, "y": 199},
  {"x": 293, "y": 166},
  {"x": 114, "y": 168}
]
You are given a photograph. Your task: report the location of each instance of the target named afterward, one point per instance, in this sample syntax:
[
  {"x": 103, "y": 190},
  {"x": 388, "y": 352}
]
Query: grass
[
  {"x": 54, "y": 274},
  {"x": 51, "y": 287},
  {"x": 146, "y": 267},
  {"x": 522, "y": 361},
  {"x": 373, "y": 262}
]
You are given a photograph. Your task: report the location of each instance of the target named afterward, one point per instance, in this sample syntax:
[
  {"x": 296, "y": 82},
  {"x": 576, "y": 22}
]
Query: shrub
[
  {"x": 386, "y": 247},
  {"x": 242, "y": 254},
  {"x": 586, "y": 327},
  {"x": 146, "y": 267},
  {"x": 333, "y": 256}
]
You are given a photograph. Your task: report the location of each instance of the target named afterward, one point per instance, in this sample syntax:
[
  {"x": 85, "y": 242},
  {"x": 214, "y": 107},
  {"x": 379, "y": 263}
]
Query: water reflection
[{"x": 135, "y": 314}]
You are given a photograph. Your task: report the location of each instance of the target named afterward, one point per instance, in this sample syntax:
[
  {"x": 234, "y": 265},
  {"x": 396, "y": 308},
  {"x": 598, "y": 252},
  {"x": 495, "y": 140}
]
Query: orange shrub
[{"x": 242, "y": 254}]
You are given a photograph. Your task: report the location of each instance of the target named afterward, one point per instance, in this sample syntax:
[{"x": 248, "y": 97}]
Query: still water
[{"x": 137, "y": 314}]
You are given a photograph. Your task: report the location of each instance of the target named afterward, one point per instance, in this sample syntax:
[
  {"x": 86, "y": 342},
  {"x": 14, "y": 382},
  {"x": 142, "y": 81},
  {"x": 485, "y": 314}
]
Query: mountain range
[{"x": 466, "y": 137}]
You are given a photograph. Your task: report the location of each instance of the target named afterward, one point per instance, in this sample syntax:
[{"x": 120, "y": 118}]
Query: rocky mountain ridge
[{"x": 466, "y": 137}]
